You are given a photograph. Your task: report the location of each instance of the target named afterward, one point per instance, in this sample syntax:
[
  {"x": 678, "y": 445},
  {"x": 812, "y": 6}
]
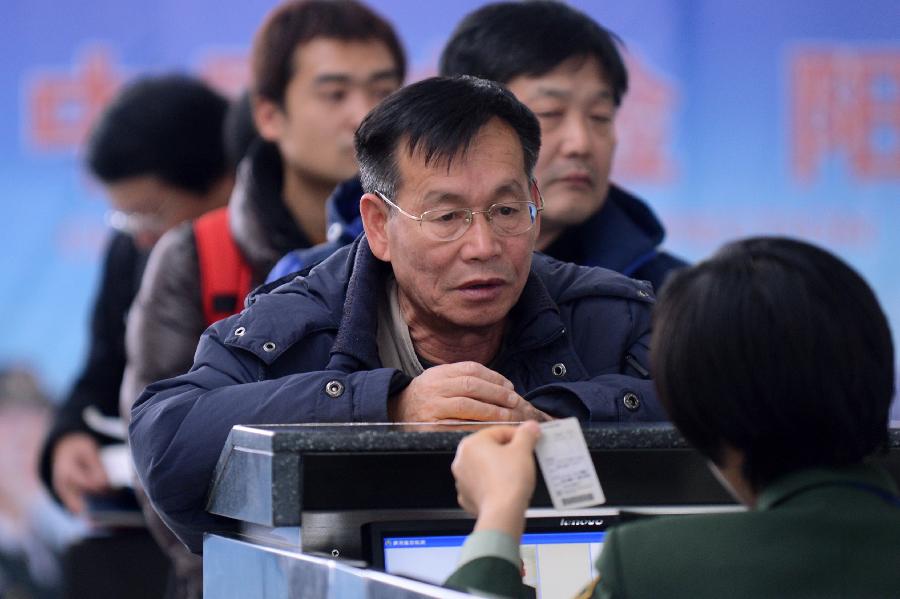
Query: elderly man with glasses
[{"x": 440, "y": 311}]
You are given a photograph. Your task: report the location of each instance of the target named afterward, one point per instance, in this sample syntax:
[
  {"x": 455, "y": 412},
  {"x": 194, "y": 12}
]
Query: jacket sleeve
[
  {"x": 180, "y": 425},
  {"x": 98, "y": 383},
  {"x": 610, "y": 341},
  {"x": 489, "y": 577},
  {"x": 166, "y": 319}
]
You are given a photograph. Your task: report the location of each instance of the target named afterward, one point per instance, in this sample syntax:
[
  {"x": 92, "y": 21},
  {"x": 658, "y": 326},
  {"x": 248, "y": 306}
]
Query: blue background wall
[{"x": 744, "y": 118}]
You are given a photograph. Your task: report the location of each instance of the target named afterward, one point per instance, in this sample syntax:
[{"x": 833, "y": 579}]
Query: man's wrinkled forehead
[{"x": 423, "y": 154}]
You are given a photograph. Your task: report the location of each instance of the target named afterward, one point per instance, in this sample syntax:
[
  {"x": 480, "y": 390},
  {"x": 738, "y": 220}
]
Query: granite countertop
[
  {"x": 272, "y": 474},
  {"x": 365, "y": 437}
]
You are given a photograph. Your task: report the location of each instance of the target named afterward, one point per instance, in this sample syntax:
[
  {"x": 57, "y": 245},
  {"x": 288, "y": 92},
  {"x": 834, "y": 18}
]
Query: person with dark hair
[
  {"x": 567, "y": 69},
  {"x": 318, "y": 67},
  {"x": 157, "y": 151},
  {"x": 437, "y": 312},
  {"x": 775, "y": 361}
]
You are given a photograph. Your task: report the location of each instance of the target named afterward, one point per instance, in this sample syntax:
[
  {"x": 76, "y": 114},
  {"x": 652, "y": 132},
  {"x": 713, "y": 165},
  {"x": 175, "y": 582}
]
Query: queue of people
[{"x": 455, "y": 249}]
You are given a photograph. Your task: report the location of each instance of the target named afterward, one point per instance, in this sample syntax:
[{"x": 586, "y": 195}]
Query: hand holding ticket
[{"x": 566, "y": 465}]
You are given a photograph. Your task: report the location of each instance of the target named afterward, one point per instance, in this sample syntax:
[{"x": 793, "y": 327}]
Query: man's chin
[
  {"x": 481, "y": 320},
  {"x": 571, "y": 208}
]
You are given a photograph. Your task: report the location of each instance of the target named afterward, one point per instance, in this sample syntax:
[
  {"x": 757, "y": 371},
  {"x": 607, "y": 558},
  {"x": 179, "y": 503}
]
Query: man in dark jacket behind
[
  {"x": 567, "y": 70},
  {"x": 438, "y": 312}
]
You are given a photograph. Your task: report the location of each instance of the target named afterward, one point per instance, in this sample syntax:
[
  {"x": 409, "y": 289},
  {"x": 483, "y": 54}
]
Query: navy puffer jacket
[{"x": 577, "y": 347}]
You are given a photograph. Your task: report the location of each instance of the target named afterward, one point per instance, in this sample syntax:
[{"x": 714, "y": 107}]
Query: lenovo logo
[{"x": 580, "y": 522}]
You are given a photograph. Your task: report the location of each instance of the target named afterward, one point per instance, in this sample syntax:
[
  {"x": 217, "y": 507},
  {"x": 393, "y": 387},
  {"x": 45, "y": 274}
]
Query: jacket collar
[
  {"x": 622, "y": 236},
  {"x": 793, "y": 486},
  {"x": 356, "y": 336}
]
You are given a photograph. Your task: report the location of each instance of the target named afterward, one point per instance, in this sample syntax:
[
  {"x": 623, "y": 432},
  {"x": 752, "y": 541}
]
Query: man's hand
[
  {"x": 495, "y": 476},
  {"x": 77, "y": 470},
  {"x": 461, "y": 391}
]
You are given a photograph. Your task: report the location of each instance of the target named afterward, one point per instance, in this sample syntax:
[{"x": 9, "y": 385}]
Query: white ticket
[{"x": 566, "y": 465}]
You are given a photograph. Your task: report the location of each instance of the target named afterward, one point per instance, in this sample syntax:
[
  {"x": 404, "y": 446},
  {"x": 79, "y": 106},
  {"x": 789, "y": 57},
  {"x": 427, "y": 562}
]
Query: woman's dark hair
[
  {"x": 778, "y": 349},
  {"x": 168, "y": 127},
  {"x": 298, "y": 22},
  {"x": 438, "y": 117},
  {"x": 505, "y": 40}
]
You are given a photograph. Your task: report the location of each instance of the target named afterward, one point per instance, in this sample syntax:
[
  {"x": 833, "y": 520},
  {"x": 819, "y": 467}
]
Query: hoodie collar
[
  {"x": 621, "y": 236},
  {"x": 261, "y": 223},
  {"x": 342, "y": 212}
]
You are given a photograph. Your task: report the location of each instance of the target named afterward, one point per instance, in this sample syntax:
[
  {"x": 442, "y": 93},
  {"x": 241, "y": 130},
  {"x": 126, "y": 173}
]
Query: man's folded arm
[
  {"x": 180, "y": 425},
  {"x": 621, "y": 392},
  {"x": 604, "y": 398}
]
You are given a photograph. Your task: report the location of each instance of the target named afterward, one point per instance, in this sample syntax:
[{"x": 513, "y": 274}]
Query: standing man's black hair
[
  {"x": 506, "y": 40},
  {"x": 778, "y": 349},
  {"x": 169, "y": 127},
  {"x": 298, "y": 22},
  {"x": 438, "y": 117}
]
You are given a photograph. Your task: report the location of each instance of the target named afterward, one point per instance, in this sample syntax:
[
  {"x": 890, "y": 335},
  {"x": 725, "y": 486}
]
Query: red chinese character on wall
[
  {"x": 845, "y": 102},
  {"x": 226, "y": 70},
  {"x": 644, "y": 127},
  {"x": 62, "y": 106}
]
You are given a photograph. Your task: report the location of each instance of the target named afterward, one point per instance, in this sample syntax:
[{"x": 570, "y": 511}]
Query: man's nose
[
  {"x": 480, "y": 240},
  {"x": 359, "y": 104},
  {"x": 576, "y": 134}
]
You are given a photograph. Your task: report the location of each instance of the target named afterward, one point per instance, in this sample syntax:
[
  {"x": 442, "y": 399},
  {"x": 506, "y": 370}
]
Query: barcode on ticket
[{"x": 577, "y": 499}]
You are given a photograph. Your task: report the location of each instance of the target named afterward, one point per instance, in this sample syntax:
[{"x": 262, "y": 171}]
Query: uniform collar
[{"x": 792, "y": 486}]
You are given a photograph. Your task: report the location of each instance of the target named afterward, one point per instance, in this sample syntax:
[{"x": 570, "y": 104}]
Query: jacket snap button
[
  {"x": 334, "y": 388},
  {"x": 268, "y": 346},
  {"x": 239, "y": 332},
  {"x": 643, "y": 293},
  {"x": 559, "y": 369},
  {"x": 632, "y": 402}
]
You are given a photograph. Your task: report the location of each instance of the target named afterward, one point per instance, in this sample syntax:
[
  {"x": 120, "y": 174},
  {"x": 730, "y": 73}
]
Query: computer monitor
[{"x": 558, "y": 554}]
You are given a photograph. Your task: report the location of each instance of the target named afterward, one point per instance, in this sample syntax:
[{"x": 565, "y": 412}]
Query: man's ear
[
  {"x": 538, "y": 200},
  {"x": 268, "y": 118},
  {"x": 374, "y": 215}
]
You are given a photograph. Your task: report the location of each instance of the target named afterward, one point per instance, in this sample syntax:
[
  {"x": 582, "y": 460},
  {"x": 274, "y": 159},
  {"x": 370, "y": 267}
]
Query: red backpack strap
[{"x": 225, "y": 277}]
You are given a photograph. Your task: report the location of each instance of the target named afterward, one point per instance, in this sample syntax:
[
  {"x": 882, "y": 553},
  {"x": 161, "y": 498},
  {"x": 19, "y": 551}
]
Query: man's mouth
[
  {"x": 577, "y": 178},
  {"x": 482, "y": 289}
]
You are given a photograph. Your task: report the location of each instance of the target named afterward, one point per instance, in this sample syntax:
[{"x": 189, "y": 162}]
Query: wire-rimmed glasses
[{"x": 507, "y": 219}]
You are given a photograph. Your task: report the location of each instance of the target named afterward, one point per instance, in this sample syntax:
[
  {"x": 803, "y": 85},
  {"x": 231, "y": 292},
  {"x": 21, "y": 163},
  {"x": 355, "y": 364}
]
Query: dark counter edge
[
  {"x": 412, "y": 437},
  {"x": 271, "y": 454}
]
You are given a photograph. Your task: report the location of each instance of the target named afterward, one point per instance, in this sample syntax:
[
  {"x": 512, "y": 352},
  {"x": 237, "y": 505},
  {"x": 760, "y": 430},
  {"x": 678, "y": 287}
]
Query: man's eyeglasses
[
  {"x": 134, "y": 223},
  {"x": 507, "y": 219}
]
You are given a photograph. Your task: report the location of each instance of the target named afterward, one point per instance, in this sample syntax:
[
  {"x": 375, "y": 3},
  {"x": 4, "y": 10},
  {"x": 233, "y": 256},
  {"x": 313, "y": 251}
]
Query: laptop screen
[{"x": 558, "y": 554}]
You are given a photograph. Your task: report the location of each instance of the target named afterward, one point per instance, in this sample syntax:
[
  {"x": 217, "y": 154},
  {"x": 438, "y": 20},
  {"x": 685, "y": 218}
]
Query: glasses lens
[
  {"x": 135, "y": 222},
  {"x": 512, "y": 218},
  {"x": 446, "y": 225}
]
